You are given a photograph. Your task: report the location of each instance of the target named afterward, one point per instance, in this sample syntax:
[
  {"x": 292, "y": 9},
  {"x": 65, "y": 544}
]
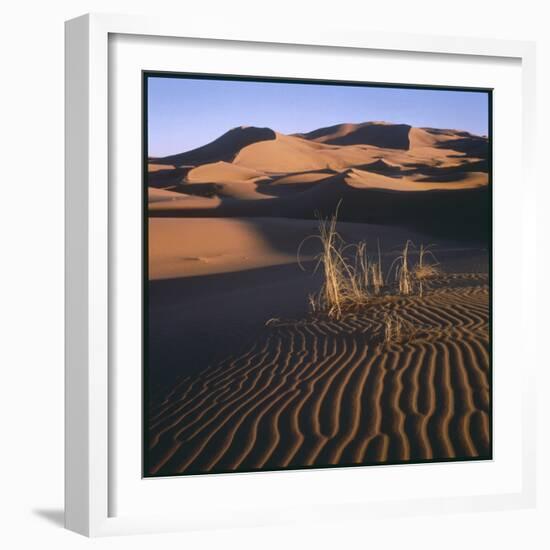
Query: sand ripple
[{"x": 320, "y": 393}]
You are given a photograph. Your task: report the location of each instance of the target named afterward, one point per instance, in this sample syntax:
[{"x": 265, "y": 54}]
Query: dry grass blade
[
  {"x": 425, "y": 270},
  {"x": 396, "y": 329},
  {"x": 403, "y": 274},
  {"x": 377, "y": 277}
]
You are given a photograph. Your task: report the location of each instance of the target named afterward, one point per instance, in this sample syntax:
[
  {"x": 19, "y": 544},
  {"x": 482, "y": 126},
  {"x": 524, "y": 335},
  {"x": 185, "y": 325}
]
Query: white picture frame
[{"x": 90, "y": 398}]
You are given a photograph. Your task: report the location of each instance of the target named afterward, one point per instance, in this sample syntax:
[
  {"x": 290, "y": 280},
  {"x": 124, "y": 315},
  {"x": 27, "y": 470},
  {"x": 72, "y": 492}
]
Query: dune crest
[
  {"x": 225, "y": 147},
  {"x": 222, "y": 171},
  {"x": 378, "y": 134},
  {"x": 415, "y": 159}
]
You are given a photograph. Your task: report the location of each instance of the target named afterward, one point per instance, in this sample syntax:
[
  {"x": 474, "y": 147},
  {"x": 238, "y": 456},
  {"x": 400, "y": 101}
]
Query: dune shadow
[
  {"x": 430, "y": 170},
  {"x": 455, "y": 214},
  {"x": 194, "y": 321},
  {"x": 288, "y": 189},
  {"x": 472, "y": 146},
  {"x": 225, "y": 148},
  {"x": 445, "y": 177},
  {"x": 161, "y": 179}
]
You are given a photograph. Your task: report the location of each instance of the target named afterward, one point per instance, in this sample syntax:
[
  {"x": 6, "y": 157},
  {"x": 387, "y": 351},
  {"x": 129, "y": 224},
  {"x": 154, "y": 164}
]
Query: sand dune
[
  {"x": 282, "y": 155},
  {"x": 224, "y": 148},
  {"x": 302, "y": 177},
  {"x": 379, "y": 171},
  {"x": 426, "y": 137},
  {"x": 245, "y": 153},
  {"x": 162, "y": 195},
  {"x": 287, "y": 154},
  {"x": 382, "y": 166},
  {"x": 379, "y": 134},
  {"x": 362, "y": 179},
  {"x": 153, "y": 167},
  {"x": 165, "y": 176},
  {"x": 318, "y": 393},
  {"x": 224, "y": 179},
  {"x": 240, "y": 190},
  {"x": 432, "y": 207},
  {"x": 198, "y": 246},
  {"x": 179, "y": 202},
  {"x": 222, "y": 171}
]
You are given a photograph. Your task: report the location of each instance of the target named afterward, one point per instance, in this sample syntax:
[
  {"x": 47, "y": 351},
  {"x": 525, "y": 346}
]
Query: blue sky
[{"x": 185, "y": 113}]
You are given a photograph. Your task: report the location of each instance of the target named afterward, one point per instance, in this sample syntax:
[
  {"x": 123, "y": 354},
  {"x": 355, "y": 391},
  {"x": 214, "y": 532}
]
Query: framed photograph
[{"x": 291, "y": 291}]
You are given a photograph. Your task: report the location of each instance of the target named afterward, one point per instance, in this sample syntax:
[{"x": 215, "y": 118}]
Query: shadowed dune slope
[
  {"x": 318, "y": 393},
  {"x": 223, "y": 179},
  {"x": 237, "y": 244},
  {"x": 167, "y": 177},
  {"x": 455, "y": 210},
  {"x": 224, "y": 148},
  {"x": 379, "y": 134}
]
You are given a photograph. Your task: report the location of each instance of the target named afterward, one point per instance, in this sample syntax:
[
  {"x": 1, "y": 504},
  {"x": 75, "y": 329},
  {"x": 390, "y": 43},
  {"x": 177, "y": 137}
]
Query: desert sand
[
  {"x": 243, "y": 375},
  {"x": 321, "y": 393}
]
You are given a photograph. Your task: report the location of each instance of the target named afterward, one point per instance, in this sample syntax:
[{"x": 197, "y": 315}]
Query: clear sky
[{"x": 185, "y": 113}]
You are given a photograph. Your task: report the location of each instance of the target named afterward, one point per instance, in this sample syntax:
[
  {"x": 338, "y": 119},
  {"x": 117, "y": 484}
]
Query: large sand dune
[
  {"x": 306, "y": 173},
  {"x": 224, "y": 148},
  {"x": 379, "y": 134}
]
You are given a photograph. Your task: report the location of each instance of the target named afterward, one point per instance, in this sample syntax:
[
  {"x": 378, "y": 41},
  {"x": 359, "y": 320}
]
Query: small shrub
[
  {"x": 351, "y": 278},
  {"x": 424, "y": 271}
]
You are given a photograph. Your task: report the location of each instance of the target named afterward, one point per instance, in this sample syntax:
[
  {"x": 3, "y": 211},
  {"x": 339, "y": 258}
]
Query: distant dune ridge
[
  {"x": 377, "y": 134},
  {"x": 309, "y": 172},
  {"x": 223, "y": 148}
]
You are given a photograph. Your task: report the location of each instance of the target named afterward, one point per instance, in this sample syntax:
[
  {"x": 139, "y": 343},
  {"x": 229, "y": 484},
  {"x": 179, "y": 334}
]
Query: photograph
[{"x": 316, "y": 274}]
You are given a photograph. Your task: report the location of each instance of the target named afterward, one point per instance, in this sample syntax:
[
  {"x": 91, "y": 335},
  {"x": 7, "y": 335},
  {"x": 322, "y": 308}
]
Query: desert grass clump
[
  {"x": 426, "y": 269},
  {"x": 366, "y": 275},
  {"x": 414, "y": 278},
  {"x": 403, "y": 273},
  {"x": 340, "y": 284},
  {"x": 349, "y": 276}
]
